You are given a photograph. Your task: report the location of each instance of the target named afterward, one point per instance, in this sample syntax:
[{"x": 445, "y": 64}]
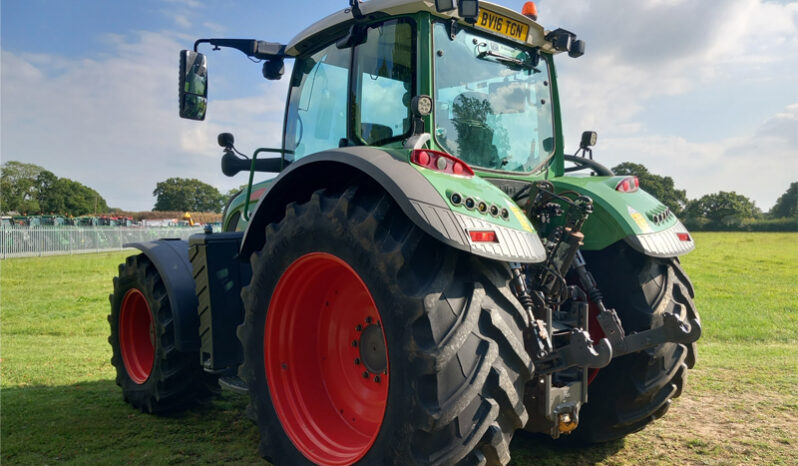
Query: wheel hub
[{"x": 372, "y": 349}]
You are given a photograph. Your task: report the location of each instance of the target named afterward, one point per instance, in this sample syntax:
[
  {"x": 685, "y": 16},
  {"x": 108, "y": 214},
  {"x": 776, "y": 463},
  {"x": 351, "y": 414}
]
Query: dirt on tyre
[
  {"x": 636, "y": 389},
  {"x": 153, "y": 374},
  {"x": 368, "y": 342}
]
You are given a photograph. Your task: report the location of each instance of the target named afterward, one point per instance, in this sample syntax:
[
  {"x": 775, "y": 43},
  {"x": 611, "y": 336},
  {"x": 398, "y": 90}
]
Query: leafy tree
[
  {"x": 661, "y": 187},
  {"x": 49, "y": 201},
  {"x": 787, "y": 204},
  {"x": 75, "y": 199},
  {"x": 235, "y": 191},
  {"x": 723, "y": 208},
  {"x": 29, "y": 188},
  {"x": 187, "y": 194},
  {"x": 18, "y": 187}
]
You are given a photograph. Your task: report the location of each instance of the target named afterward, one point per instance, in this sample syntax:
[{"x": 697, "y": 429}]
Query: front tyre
[
  {"x": 636, "y": 389},
  {"x": 153, "y": 374},
  {"x": 367, "y": 341}
]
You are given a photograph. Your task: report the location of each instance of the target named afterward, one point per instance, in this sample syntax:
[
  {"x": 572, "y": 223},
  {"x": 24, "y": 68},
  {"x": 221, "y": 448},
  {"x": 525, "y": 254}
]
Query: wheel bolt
[
  {"x": 368, "y": 320},
  {"x": 365, "y": 374},
  {"x": 377, "y": 378},
  {"x": 359, "y": 327},
  {"x": 354, "y": 343},
  {"x": 357, "y": 361}
]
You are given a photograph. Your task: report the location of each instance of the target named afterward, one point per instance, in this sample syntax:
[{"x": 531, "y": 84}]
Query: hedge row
[{"x": 771, "y": 224}]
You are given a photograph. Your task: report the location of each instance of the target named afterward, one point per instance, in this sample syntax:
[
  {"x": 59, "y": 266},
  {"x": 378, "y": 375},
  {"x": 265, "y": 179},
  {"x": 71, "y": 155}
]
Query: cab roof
[{"x": 340, "y": 21}]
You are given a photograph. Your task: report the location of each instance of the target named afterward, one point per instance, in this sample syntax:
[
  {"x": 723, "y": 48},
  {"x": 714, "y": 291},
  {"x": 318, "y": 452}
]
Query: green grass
[
  {"x": 747, "y": 286},
  {"x": 60, "y": 403}
]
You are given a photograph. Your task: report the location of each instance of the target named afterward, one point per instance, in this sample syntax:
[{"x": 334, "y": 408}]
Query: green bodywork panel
[
  {"x": 481, "y": 191},
  {"x": 237, "y": 205},
  {"x": 616, "y": 215}
]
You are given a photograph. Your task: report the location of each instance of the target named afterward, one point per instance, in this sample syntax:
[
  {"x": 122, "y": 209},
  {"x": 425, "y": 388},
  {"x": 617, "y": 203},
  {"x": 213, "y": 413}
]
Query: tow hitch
[{"x": 672, "y": 330}]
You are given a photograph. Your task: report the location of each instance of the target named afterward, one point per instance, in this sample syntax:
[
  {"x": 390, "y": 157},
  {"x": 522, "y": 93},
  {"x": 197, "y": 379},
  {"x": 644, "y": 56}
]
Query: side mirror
[{"x": 193, "y": 85}]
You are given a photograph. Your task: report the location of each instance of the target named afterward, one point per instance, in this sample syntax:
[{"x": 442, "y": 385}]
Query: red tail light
[
  {"x": 683, "y": 236},
  {"x": 441, "y": 162},
  {"x": 629, "y": 184},
  {"x": 483, "y": 236}
]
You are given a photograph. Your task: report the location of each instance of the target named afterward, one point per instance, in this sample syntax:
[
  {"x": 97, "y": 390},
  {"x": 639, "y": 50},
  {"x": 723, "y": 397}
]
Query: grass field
[{"x": 60, "y": 403}]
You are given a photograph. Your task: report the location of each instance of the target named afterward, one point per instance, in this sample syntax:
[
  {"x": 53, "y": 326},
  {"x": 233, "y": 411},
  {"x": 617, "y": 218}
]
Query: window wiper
[{"x": 507, "y": 60}]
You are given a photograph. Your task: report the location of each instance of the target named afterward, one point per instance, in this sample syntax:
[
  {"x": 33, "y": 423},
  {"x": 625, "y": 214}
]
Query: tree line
[
  {"x": 724, "y": 210},
  {"x": 28, "y": 188}
]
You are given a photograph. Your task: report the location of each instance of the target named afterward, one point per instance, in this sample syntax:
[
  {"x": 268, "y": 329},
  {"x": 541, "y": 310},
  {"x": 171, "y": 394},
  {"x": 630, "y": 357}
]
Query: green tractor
[{"x": 429, "y": 271}]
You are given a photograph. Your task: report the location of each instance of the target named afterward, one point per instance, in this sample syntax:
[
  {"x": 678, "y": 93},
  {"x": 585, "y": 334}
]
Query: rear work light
[
  {"x": 441, "y": 162},
  {"x": 629, "y": 184},
  {"x": 488, "y": 236}
]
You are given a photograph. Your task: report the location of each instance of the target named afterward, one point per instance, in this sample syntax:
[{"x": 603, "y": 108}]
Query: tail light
[
  {"x": 683, "y": 236},
  {"x": 629, "y": 184},
  {"x": 441, "y": 162},
  {"x": 488, "y": 236}
]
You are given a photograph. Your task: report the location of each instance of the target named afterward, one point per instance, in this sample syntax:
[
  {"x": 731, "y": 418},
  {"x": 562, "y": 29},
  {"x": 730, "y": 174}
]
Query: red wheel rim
[
  {"x": 326, "y": 360},
  {"x": 136, "y": 336}
]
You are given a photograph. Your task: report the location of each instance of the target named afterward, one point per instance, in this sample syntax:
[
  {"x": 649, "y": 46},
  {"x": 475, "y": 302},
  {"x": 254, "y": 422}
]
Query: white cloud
[
  {"x": 111, "y": 122},
  {"x": 182, "y": 21},
  {"x": 638, "y": 52},
  {"x": 759, "y": 165},
  {"x": 188, "y": 3}
]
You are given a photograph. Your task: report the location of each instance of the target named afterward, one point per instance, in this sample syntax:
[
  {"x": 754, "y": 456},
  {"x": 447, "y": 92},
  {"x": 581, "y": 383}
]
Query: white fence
[{"x": 61, "y": 240}]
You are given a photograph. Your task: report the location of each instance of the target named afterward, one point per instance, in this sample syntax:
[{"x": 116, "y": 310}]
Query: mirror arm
[{"x": 258, "y": 49}]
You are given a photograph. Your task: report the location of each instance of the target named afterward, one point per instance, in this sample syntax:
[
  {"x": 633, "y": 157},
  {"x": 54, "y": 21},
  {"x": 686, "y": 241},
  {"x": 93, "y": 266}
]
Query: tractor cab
[{"x": 486, "y": 69}]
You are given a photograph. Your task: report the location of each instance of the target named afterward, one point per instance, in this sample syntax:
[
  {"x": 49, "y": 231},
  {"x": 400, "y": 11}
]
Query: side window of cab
[
  {"x": 383, "y": 83},
  {"x": 316, "y": 118},
  {"x": 377, "y": 75}
]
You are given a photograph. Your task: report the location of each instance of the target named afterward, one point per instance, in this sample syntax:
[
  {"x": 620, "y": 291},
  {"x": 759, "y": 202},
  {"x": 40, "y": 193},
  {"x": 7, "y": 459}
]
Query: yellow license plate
[{"x": 503, "y": 25}]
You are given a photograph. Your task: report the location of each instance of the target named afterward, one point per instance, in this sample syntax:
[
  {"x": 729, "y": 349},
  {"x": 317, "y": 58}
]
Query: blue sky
[{"x": 703, "y": 91}]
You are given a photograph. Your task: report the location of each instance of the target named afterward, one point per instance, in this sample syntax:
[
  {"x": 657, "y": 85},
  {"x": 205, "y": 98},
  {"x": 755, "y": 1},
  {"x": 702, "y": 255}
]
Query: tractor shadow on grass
[
  {"x": 527, "y": 449},
  {"x": 89, "y": 423}
]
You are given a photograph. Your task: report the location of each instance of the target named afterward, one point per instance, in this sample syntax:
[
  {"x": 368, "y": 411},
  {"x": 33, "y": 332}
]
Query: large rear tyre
[
  {"x": 153, "y": 374},
  {"x": 636, "y": 389},
  {"x": 366, "y": 341}
]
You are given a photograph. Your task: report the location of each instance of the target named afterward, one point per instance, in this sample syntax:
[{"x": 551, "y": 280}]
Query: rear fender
[
  {"x": 638, "y": 218},
  {"x": 420, "y": 193},
  {"x": 170, "y": 258}
]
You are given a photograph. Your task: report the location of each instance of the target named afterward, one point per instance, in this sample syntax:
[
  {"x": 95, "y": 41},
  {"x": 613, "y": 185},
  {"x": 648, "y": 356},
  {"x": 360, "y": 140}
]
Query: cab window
[
  {"x": 383, "y": 83},
  {"x": 316, "y": 118}
]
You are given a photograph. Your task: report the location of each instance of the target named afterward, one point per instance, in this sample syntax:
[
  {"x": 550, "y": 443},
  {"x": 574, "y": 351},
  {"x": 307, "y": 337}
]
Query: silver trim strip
[{"x": 663, "y": 243}]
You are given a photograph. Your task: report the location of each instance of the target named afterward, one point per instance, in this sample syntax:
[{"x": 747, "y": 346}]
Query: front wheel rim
[
  {"x": 136, "y": 336},
  {"x": 326, "y": 360}
]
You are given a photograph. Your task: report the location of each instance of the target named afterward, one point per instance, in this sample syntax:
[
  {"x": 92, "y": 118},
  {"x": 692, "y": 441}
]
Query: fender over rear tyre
[
  {"x": 636, "y": 389},
  {"x": 153, "y": 374},
  {"x": 367, "y": 341}
]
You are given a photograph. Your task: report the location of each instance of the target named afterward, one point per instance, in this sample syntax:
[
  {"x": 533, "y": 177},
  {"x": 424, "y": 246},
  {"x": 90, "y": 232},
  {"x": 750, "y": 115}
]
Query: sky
[{"x": 704, "y": 91}]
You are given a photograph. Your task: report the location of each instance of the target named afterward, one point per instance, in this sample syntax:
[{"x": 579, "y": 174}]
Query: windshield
[{"x": 492, "y": 102}]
